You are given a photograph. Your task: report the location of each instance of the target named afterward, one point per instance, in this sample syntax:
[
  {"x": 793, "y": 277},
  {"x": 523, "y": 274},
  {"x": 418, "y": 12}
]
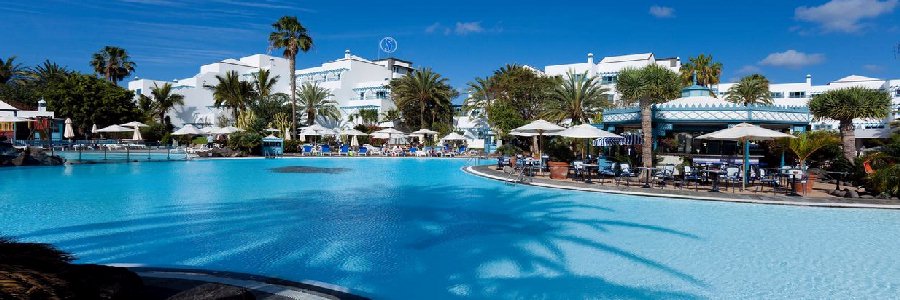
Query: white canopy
[
  {"x": 315, "y": 129},
  {"x": 586, "y": 131},
  {"x": 744, "y": 131},
  {"x": 209, "y": 129},
  {"x": 12, "y": 119},
  {"x": 424, "y": 131},
  {"x": 352, "y": 132},
  {"x": 135, "y": 124},
  {"x": 390, "y": 131},
  {"x": 188, "y": 129},
  {"x": 388, "y": 124},
  {"x": 540, "y": 127},
  {"x": 453, "y": 136},
  {"x": 516, "y": 133},
  {"x": 115, "y": 128},
  {"x": 272, "y": 130},
  {"x": 226, "y": 130},
  {"x": 69, "y": 131},
  {"x": 94, "y": 128}
]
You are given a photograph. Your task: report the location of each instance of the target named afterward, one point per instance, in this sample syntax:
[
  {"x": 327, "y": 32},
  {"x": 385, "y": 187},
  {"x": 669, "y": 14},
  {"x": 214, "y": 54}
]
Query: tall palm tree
[
  {"x": 10, "y": 70},
  {"x": 164, "y": 100},
  {"x": 647, "y": 86},
  {"x": 708, "y": 71},
  {"x": 291, "y": 36},
  {"x": 481, "y": 95},
  {"x": 752, "y": 89},
  {"x": 421, "y": 90},
  {"x": 264, "y": 83},
  {"x": 113, "y": 63},
  {"x": 847, "y": 104},
  {"x": 578, "y": 98},
  {"x": 231, "y": 92},
  {"x": 315, "y": 102},
  {"x": 48, "y": 71}
]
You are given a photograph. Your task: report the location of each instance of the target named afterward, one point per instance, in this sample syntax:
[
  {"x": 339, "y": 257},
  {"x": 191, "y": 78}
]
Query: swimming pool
[{"x": 423, "y": 229}]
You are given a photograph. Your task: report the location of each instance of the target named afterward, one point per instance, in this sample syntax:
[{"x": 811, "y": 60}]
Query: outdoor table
[
  {"x": 587, "y": 169},
  {"x": 647, "y": 180},
  {"x": 837, "y": 185},
  {"x": 793, "y": 181},
  {"x": 715, "y": 183}
]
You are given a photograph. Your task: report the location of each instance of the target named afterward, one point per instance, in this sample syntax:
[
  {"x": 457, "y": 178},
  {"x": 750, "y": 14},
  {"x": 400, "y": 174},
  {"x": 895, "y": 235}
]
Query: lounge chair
[
  {"x": 345, "y": 150},
  {"x": 363, "y": 151},
  {"x": 733, "y": 176},
  {"x": 326, "y": 150},
  {"x": 307, "y": 150}
]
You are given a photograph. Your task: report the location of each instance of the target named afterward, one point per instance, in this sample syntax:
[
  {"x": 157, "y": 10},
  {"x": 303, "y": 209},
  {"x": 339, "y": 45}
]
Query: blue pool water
[{"x": 423, "y": 229}]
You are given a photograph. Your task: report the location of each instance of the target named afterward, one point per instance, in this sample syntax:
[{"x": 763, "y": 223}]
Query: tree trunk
[
  {"x": 848, "y": 139},
  {"x": 647, "y": 129},
  {"x": 422, "y": 114},
  {"x": 310, "y": 117},
  {"x": 293, "y": 97}
]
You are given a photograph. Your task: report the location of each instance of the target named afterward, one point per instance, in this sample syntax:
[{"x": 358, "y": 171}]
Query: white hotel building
[
  {"x": 355, "y": 83},
  {"x": 784, "y": 94}
]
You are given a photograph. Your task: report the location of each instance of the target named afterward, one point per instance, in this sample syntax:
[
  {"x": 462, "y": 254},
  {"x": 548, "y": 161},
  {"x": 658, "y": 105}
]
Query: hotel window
[
  {"x": 897, "y": 93},
  {"x": 608, "y": 79},
  {"x": 137, "y": 92},
  {"x": 362, "y": 95},
  {"x": 777, "y": 94},
  {"x": 797, "y": 95},
  {"x": 381, "y": 95}
]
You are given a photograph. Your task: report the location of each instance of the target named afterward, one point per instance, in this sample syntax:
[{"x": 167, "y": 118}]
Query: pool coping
[
  {"x": 306, "y": 290},
  {"x": 750, "y": 199}
]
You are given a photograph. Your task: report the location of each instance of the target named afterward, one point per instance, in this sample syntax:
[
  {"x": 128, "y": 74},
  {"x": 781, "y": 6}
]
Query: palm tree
[
  {"x": 578, "y": 98},
  {"x": 264, "y": 83},
  {"x": 847, "y": 104},
  {"x": 421, "y": 91},
  {"x": 481, "y": 95},
  {"x": 752, "y": 89},
  {"x": 708, "y": 72},
  {"x": 807, "y": 143},
  {"x": 647, "y": 86},
  {"x": 164, "y": 100},
  {"x": 48, "y": 71},
  {"x": 367, "y": 116},
  {"x": 112, "y": 63},
  {"x": 231, "y": 92},
  {"x": 9, "y": 70},
  {"x": 293, "y": 38},
  {"x": 315, "y": 102}
]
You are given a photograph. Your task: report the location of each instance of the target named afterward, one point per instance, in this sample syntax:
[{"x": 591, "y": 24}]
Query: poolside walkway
[
  {"x": 490, "y": 171},
  {"x": 167, "y": 281}
]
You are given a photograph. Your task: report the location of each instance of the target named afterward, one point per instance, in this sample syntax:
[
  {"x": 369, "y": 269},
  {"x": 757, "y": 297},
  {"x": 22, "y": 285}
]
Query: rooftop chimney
[
  {"x": 42, "y": 105},
  {"x": 808, "y": 79},
  {"x": 590, "y": 58},
  {"x": 347, "y": 53}
]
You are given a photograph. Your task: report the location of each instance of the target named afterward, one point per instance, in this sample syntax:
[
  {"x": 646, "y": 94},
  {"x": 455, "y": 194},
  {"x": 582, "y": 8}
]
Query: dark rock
[
  {"x": 851, "y": 194},
  {"x": 883, "y": 196},
  {"x": 214, "y": 291},
  {"x": 103, "y": 282},
  {"x": 866, "y": 196},
  {"x": 838, "y": 193},
  {"x": 25, "y": 159}
]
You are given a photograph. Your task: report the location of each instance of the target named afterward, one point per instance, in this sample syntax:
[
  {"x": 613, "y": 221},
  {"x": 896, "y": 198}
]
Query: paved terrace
[{"x": 817, "y": 198}]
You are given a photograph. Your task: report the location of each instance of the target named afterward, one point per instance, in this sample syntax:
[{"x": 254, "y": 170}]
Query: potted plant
[{"x": 560, "y": 154}]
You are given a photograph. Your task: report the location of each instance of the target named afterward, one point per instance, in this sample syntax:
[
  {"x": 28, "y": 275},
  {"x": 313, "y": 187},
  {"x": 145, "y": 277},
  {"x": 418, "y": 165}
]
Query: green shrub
[
  {"x": 292, "y": 146},
  {"x": 245, "y": 141}
]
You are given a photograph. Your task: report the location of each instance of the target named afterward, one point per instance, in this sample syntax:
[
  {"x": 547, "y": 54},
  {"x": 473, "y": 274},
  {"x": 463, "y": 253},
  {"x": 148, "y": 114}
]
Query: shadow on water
[
  {"x": 406, "y": 242},
  {"x": 309, "y": 170}
]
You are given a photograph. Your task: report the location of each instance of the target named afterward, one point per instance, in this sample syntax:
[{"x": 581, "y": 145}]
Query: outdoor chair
[
  {"x": 690, "y": 175},
  {"x": 767, "y": 180},
  {"x": 461, "y": 150},
  {"x": 578, "y": 171},
  {"x": 733, "y": 177},
  {"x": 326, "y": 150},
  {"x": 363, "y": 151},
  {"x": 345, "y": 150},
  {"x": 307, "y": 150}
]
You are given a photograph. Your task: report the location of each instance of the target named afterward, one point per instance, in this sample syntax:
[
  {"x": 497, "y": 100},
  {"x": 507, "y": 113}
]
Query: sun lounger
[
  {"x": 326, "y": 150},
  {"x": 307, "y": 150},
  {"x": 345, "y": 150},
  {"x": 363, "y": 151}
]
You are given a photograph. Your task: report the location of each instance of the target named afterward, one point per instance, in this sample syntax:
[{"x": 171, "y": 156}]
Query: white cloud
[
  {"x": 464, "y": 28},
  {"x": 792, "y": 59},
  {"x": 433, "y": 27},
  {"x": 748, "y": 69},
  {"x": 873, "y": 68},
  {"x": 844, "y": 15},
  {"x": 662, "y": 11}
]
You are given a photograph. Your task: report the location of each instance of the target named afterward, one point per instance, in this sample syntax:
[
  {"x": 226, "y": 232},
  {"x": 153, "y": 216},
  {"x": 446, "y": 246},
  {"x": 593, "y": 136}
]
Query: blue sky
[{"x": 463, "y": 39}]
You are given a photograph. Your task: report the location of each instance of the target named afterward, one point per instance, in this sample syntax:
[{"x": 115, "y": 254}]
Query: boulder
[
  {"x": 25, "y": 159},
  {"x": 838, "y": 193},
  {"x": 214, "y": 291},
  {"x": 103, "y": 282},
  {"x": 883, "y": 196},
  {"x": 851, "y": 194},
  {"x": 866, "y": 196}
]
